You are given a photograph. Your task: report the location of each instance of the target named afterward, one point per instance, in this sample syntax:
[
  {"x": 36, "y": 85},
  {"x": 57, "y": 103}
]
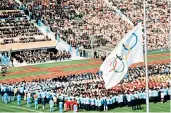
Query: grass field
[
  {"x": 48, "y": 70},
  {"x": 12, "y": 107}
]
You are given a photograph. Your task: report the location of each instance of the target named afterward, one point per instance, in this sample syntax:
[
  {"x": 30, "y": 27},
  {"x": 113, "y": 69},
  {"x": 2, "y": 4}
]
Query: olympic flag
[{"x": 127, "y": 52}]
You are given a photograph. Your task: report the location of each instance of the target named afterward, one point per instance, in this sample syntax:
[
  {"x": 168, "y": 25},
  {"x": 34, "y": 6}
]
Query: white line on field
[{"x": 26, "y": 109}]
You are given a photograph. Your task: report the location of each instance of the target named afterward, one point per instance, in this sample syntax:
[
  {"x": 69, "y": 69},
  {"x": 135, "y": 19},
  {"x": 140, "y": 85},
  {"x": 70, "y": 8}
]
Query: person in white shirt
[
  {"x": 51, "y": 103},
  {"x": 105, "y": 103},
  {"x": 162, "y": 97},
  {"x": 99, "y": 104},
  {"x": 87, "y": 103},
  {"x": 129, "y": 99},
  {"x": 92, "y": 103}
]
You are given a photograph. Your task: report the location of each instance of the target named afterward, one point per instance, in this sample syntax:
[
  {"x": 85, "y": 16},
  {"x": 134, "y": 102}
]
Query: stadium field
[
  {"x": 50, "y": 70},
  {"x": 12, "y": 107}
]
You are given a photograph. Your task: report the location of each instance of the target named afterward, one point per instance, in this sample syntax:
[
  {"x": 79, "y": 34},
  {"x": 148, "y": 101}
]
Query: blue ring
[
  {"x": 136, "y": 37},
  {"x": 119, "y": 71}
]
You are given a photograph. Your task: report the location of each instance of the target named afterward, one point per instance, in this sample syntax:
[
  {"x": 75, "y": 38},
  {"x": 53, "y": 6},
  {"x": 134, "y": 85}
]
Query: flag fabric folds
[{"x": 128, "y": 51}]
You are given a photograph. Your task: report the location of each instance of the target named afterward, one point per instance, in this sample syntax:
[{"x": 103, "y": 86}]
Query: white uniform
[{"x": 162, "y": 94}]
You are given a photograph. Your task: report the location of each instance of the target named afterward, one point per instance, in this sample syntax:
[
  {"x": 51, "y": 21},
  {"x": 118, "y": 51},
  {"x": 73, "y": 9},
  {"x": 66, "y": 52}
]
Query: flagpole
[
  {"x": 169, "y": 2},
  {"x": 146, "y": 65}
]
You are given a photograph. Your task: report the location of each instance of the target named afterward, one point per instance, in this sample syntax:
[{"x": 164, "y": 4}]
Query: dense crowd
[
  {"x": 87, "y": 91},
  {"x": 40, "y": 55},
  {"x": 16, "y": 28},
  {"x": 157, "y": 19},
  {"x": 8, "y": 5},
  {"x": 77, "y": 21},
  {"x": 156, "y": 68}
]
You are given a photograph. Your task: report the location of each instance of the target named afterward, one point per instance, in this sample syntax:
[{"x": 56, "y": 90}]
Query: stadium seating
[
  {"x": 8, "y": 5},
  {"x": 92, "y": 24},
  {"x": 77, "y": 29},
  {"x": 16, "y": 28},
  {"x": 157, "y": 20},
  {"x": 40, "y": 55},
  {"x": 77, "y": 21}
]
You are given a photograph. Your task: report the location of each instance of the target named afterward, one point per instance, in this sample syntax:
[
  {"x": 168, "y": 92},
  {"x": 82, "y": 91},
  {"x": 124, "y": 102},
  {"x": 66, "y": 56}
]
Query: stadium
[{"x": 85, "y": 56}]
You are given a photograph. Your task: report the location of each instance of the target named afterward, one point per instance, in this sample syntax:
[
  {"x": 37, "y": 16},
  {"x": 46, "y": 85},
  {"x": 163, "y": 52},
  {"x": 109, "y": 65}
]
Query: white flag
[{"x": 127, "y": 52}]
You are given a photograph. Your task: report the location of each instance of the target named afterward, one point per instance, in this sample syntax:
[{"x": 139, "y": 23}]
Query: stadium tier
[
  {"x": 41, "y": 55},
  {"x": 94, "y": 24},
  {"x": 78, "y": 19},
  {"x": 18, "y": 33},
  {"x": 8, "y": 5}
]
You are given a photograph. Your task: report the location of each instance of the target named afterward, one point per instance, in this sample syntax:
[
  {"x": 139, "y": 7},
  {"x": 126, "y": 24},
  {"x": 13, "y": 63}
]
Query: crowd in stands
[
  {"x": 8, "y": 5},
  {"x": 84, "y": 23},
  {"x": 40, "y": 55},
  {"x": 156, "y": 68},
  {"x": 157, "y": 19},
  {"x": 87, "y": 91},
  {"x": 76, "y": 21},
  {"x": 11, "y": 15},
  {"x": 16, "y": 28}
]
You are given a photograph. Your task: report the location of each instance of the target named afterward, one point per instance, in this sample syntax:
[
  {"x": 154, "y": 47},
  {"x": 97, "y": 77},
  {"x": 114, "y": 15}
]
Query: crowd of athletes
[{"x": 87, "y": 91}]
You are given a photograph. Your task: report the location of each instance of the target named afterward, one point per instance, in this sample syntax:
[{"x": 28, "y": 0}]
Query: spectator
[{"x": 41, "y": 55}]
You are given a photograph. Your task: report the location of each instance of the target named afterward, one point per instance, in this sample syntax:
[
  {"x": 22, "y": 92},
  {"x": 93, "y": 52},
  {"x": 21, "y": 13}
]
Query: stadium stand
[
  {"x": 95, "y": 18},
  {"x": 17, "y": 31},
  {"x": 8, "y": 5},
  {"x": 91, "y": 24},
  {"x": 41, "y": 55},
  {"x": 16, "y": 28},
  {"x": 157, "y": 20},
  {"x": 88, "y": 24},
  {"x": 75, "y": 28}
]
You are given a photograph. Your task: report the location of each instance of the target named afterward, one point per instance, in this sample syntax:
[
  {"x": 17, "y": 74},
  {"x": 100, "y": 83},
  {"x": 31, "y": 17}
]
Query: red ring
[{"x": 113, "y": 66}]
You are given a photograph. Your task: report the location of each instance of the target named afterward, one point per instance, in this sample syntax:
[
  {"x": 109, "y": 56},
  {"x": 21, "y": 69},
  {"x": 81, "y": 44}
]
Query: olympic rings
[
  {"x": 123, "y": 65},
  {"x": 126, "y": 47},
  {"x": 114, "y": 64},
  {"x": 118, "y": 58}
]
